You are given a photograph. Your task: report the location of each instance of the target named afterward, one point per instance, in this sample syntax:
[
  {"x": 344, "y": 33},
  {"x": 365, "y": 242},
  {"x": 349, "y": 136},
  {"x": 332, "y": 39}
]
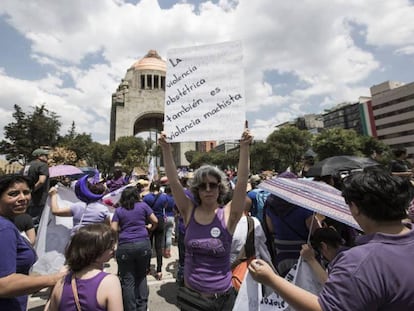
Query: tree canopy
[
  {"x": 335, "y": 142},
  {"x": 283, "y": 148},
  {"x": 288, "y": 145},
  {"x": 28, "y": 132}
]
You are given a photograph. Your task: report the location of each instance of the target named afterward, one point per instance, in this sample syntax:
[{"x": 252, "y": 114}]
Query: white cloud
[
  {"x": 408, "y": 50},
  {"x": 312, "y": 40}
]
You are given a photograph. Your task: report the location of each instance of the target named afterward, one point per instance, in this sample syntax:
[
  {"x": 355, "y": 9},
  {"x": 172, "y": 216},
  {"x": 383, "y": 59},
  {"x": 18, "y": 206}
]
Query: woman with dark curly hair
[
  {"x": 18, "y": 255},
  {"x": 87, "y": 286}
]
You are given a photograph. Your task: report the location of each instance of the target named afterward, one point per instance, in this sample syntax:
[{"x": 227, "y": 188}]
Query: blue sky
[{"x": 299, "y": 56}]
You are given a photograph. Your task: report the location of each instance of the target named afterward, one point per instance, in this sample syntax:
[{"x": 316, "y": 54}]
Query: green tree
[
  {"x": 28, "y": 132},
  {"x": 336, "y": 141},
  {"x": 261, "y": 157},
  {"x": 101, "y": 157},
  {"x": 372, "y": 147},
  {"x": 132, "y": 160},
  {"x": 130, "y": 152},
  {"x": 81, "y": 144},
  {"x": 200, "y": 158},
  {"x": 288, "y": 144},
  {"x": 189, "y": 155},
  {"x": 219, "y": 159},
  {"x": 43, "y": 127},
  {"x": 369, "y": 145}
]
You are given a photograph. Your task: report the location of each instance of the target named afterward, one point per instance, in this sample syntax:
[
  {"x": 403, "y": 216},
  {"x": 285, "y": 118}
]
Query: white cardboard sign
[
  {"x": 204, "y": 93},
  {"x": 251, "y": 296}
]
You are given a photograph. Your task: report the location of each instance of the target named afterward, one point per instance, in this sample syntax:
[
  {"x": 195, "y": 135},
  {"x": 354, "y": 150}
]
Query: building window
[
  {"x": 393, "y": 102},
  {"x": 396, "y": 123},
  {"x": 163, "y": 83},
  {"x": 394, "y": 113},
  {"x": 142, "y": 82},
  {"x": 156, "y": 84},
  {"x": 396, "y": 135},
  {"x": 149, "y": 81}
]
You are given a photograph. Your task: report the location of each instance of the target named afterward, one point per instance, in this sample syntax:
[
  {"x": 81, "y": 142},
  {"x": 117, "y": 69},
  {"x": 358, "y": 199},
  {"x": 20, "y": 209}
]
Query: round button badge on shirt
[{"x": 215, "y": 232}]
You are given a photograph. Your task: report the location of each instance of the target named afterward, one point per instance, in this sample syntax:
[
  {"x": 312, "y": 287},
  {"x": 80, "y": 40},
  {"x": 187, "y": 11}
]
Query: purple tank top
[
  {"x": 87, "y": 289},
  {"x": 207, "y": 255}
]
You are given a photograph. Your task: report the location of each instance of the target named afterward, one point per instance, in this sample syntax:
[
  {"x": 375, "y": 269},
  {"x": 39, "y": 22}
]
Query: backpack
[
  {"x": 261, "y": 197},
  {"x": 246, "y": 255}
]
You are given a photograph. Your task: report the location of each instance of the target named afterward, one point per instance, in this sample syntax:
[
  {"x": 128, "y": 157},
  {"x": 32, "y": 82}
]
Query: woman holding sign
[
  {"x": 209, "y": 229},
  {"x": 375, "y": 274}
]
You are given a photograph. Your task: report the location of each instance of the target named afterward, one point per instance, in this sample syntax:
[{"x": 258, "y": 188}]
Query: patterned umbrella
[
  {"x": 63, "y": 170},
  {"x": 316, "y": 196}
]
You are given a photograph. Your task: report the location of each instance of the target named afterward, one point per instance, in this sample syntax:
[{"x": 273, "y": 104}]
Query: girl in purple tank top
[
  {"x": 86, "y": 284},
  {"x": 209, "y": 227}
]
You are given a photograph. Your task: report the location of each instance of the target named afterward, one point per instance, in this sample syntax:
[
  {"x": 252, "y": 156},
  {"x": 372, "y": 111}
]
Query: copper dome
[{"x": 151, "y": 61}]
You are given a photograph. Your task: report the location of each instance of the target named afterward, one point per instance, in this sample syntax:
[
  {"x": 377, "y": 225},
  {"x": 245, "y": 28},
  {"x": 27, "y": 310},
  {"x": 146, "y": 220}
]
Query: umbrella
[
  {"x": 333, "y": 165},
  {"x": 87, "y": 170},
  {"x": 316, "y": 196},
  {"x": 63, "y": 170}
]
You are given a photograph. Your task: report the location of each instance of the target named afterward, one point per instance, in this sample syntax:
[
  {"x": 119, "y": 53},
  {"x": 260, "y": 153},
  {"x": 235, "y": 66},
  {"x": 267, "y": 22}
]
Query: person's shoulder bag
[{"x": 246, "y": 255}]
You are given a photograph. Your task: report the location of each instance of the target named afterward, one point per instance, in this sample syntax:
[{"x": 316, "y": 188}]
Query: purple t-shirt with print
[
  {"x": 375, "y": 275},
  {"x": 132, "y": 222},
  {"x": 17, "y": 257},
  {"x": 207, "y": 255}
]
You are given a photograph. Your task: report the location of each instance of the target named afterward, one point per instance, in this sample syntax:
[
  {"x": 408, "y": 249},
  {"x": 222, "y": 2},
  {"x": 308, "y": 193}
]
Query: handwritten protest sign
[{"x": 204, "y": 94}]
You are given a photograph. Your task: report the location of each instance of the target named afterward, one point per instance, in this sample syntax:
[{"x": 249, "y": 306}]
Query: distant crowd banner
[
  {"x": 254, "y": 297},
  {"x": 204, "y": 93}
]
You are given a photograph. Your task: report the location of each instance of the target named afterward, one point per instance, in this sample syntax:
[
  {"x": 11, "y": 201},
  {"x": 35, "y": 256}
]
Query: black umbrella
[{"x": 334, "y": 165}]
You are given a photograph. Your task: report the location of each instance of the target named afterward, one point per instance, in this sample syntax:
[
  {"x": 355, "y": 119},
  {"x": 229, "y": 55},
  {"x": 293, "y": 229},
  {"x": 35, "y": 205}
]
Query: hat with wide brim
[
  {"x": 143, "y": 182},
  {"x": 39, "y": 152},
  {"x": 83, "y": 193}
]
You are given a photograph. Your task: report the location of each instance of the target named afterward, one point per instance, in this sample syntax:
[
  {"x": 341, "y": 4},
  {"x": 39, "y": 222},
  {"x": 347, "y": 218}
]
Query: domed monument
[{"x": 138, "y": 103}]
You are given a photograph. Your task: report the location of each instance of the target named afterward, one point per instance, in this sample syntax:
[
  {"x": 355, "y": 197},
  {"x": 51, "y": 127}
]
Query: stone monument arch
[{"x": 138, "y": 103}]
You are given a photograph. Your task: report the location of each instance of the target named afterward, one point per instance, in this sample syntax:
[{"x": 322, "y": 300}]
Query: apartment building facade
[{"x": 393, "y": 112}]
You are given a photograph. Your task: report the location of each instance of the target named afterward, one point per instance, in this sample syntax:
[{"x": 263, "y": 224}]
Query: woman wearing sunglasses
[{"x": 209, "y": 229}]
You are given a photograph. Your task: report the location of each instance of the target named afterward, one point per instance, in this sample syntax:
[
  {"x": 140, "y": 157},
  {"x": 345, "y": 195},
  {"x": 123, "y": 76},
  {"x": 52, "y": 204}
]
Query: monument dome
[{"x": 151, "y": 61}]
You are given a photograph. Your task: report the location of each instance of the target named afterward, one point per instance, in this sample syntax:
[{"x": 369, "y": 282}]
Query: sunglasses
[{"x": 210, "y": 185}]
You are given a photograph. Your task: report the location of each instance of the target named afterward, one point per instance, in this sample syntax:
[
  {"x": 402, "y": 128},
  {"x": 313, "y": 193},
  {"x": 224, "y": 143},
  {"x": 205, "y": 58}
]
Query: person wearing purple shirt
[
  {"x": 83, "y": 213},
  {"x": 17, "y": 255},
  {"x": 158, "y": 201},
  {"x": 117, "y": 181},
  {"x": 86, "y": 286},
  {"x": 169, "y": 221},
  {"x": 209, "y": 228},
  {"x": 377, "y": 273},
  {"x": 134, "y": 250}
]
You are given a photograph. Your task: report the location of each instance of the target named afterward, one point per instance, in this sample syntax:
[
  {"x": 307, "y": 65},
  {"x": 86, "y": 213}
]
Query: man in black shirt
[{"x": 38, "y": 171}]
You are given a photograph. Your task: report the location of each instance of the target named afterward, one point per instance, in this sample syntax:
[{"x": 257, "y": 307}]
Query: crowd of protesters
[{"x": 205, "y": 213}]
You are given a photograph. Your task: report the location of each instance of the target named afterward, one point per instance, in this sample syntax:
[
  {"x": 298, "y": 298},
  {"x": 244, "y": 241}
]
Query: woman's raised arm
[{"x": 183, "y": 203}]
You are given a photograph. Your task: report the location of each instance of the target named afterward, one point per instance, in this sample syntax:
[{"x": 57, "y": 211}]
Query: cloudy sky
[{"x": 300, "y": 56}]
